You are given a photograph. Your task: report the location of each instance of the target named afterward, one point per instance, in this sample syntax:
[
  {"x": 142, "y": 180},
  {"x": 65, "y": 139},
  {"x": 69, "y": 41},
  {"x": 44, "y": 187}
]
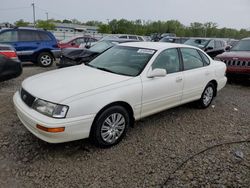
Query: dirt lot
[{"x": 176, "y": 148}]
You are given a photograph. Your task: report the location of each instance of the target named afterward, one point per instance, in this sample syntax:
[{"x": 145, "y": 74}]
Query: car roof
[
  {"x": 119, "y": 40},
  {"x": 248, "y": 38},
  {"x": 155, "y": 45}
]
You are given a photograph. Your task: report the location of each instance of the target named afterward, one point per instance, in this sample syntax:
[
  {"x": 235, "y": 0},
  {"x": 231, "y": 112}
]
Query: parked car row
[{"x": 41, "y": 47}]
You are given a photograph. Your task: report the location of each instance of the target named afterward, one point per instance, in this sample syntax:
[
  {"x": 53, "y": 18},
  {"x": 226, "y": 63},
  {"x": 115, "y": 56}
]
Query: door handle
[{"x": 178, "y": 79}]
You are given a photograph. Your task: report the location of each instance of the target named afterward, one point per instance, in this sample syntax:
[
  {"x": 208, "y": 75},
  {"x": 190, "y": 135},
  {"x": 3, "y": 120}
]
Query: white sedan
[{"x": 128, "y": 82}]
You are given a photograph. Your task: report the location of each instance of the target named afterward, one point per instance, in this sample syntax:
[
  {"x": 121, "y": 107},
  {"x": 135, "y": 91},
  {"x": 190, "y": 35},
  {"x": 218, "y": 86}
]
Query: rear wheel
[
  {"x": 207, "y": 96},
  {"x": 110, "y": 126},
  {"x": 45, "y": 59}
]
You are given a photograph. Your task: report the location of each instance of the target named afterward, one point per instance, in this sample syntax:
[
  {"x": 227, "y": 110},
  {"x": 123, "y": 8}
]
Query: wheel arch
[
  {"x": 42, "y": 51},
  {"x": 117, "y": 103},
  {"x": 214, "y": 82}
]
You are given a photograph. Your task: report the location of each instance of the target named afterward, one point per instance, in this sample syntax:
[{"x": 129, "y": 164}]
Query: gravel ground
[{"x": 176, "y": 148}]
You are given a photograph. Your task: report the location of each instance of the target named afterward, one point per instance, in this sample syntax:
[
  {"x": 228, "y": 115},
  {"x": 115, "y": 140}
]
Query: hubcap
[
  {"x": 46, "y": 60},
  {"x": 208, "y": 96},
  {"x": 113, "y": 127}
]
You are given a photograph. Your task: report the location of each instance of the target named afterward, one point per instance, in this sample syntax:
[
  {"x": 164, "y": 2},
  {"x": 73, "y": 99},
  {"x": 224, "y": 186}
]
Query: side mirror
[
  {"x": 87, "y": 46},
  {"x": 228, "y": 48},
  {"x": 157, "y": 73},
  {"x": 73, "y": 43}
]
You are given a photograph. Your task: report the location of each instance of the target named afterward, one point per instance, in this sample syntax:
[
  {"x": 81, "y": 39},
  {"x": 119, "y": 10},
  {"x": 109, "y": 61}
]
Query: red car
[
  {"x": 237, "y": 59},
  {"x": 75, "y": 42}
]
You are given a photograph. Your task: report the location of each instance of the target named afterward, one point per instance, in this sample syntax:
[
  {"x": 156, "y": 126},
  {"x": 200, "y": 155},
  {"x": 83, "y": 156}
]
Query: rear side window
[
  {"x": 44, "y": 36},
  {"x": 123, "y": 37},
  {"x": 132, "y": 37},
  {"x": 8, "y": 36},
  {"x": 205, "y": 58},
  {"x": 28, "y": 36},
  {"x": 191, "y": 58}
]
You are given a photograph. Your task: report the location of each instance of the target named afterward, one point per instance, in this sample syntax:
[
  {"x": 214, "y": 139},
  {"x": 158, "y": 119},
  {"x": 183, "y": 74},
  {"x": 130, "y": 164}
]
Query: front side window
[
  {"x": 191, "y": 58},
  {"x": 8, "y": 36},
  {"x": 211, "y": 44},
  {"x": 123, "y": 60},
  {"x": 218, "y": 44},
  {"x": 168, "y": 60}
]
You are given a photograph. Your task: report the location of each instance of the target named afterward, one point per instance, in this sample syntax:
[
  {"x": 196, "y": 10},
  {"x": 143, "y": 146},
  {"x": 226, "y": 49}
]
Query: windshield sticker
[{"x": 145, "y": 51}]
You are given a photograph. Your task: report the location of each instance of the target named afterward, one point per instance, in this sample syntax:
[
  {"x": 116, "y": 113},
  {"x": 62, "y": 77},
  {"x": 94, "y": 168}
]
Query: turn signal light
[{"x": 51, "y": 130}]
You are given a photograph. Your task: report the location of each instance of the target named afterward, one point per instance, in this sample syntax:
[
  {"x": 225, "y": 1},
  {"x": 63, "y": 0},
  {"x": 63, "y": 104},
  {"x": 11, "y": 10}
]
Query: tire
[
  {"x": 110, "y": 127},
  {"x": 207, "y": 96},
  {"x": 45, "y": 59}
]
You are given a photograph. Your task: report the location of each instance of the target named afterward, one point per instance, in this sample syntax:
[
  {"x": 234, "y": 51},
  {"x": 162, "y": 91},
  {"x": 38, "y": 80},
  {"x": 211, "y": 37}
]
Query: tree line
[{"x": 141, "y": 27}]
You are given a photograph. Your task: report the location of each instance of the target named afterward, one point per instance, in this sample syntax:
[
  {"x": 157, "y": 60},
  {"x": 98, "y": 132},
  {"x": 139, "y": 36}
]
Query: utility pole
[
  {"x": 47, "y": 16},
  {"x": 34, "y": 14}
]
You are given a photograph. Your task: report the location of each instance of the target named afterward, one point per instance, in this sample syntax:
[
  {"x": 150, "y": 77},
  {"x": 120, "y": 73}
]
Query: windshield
[
  {"x": 200, "y": 43},
  {"x": 243, "y": 45},
  {"x": 101, "y": 46},
  {"x": 129, "y": 61}
]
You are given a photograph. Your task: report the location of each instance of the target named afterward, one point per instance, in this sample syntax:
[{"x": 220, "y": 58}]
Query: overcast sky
[{"x": 226, "y": 13}]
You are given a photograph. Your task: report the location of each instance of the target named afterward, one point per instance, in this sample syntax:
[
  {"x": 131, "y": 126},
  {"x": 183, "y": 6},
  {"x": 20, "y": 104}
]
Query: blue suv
[{"x": 35, "y": 45}]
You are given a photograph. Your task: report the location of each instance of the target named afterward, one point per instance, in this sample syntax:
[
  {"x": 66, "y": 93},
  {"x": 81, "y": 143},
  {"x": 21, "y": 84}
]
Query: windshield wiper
[{"x": 105, "y": 69}]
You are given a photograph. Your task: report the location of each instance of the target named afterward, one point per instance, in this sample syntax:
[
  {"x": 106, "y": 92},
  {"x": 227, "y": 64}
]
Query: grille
[
  {"x": 237, "y": 63},
  {"x": 27, "y": 98}
]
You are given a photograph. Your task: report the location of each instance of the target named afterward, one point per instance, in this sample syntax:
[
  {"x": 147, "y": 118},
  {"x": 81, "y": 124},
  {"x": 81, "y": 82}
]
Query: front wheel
[
  {"x": 45, "y": 59},
  {"x": 110, "y": 126},
  {"x": 207, "y": 96}
]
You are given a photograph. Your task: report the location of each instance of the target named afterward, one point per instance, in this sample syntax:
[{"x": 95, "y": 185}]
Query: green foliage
[
  {"x": 75, "y": 21},
  {"x": 66, "y": 21},
  {"x": 45, "y": 25},
  {"x": 21, "y": 23}
]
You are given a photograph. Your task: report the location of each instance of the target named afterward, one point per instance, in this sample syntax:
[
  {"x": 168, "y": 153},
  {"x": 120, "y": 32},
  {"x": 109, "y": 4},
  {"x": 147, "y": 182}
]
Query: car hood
[
  {"x": 59, "y": 85},
  {"x": 241, "y": 55},
  {"x": 75, "y": 53}
]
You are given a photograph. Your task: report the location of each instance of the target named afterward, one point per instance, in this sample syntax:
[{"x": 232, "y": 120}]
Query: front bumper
[
  {"x": 75, "y": 128},
  {"x": 238, "y": 71}
]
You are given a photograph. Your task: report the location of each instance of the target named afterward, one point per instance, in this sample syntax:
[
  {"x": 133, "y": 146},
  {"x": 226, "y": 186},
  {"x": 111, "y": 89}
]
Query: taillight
[{"x": 9, "y": 54}]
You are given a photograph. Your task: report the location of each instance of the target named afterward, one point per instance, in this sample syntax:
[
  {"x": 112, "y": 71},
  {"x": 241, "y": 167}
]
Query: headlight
[{"x": 50, "y": 109}]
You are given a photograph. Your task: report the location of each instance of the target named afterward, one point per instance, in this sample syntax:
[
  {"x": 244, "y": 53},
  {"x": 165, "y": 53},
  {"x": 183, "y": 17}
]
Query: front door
[{"x": 161, "y": 93}]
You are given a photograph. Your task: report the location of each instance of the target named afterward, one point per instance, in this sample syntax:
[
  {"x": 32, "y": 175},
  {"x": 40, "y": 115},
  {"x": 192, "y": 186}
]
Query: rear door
[
  {"x": 28, "y": 43},
  {"x": 196, "y": 74}
]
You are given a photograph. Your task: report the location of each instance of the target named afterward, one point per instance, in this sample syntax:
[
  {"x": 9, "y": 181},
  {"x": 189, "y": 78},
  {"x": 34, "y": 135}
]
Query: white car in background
[{"x": 128, "y": 82}]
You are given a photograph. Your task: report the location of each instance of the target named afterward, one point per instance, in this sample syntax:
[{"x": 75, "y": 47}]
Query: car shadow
[{"x": 239, "y": 81}]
